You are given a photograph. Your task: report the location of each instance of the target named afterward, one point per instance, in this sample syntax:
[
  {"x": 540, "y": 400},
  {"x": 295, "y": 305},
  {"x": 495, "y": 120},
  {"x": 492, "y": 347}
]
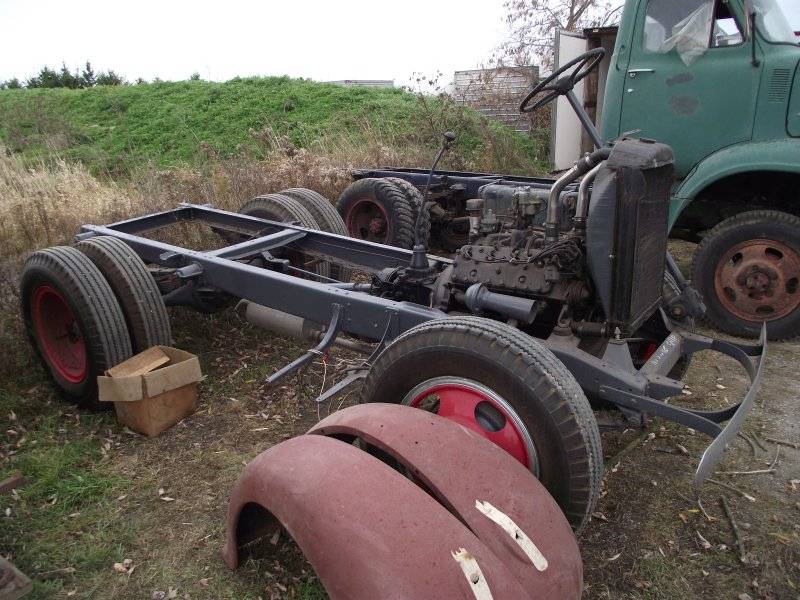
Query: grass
[
  {"x": 63, "y": 526},
  {"x": 114, "y": 129},
  {"x": 93, "y": 494}
]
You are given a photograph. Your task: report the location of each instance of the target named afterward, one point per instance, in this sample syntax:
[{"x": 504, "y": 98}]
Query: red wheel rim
[
  {"x": 368, "y": 220},
  {"x": 479, "y": 409},
  {"x": 759, "y": 280},
  {"x": 58, "y": 332}
]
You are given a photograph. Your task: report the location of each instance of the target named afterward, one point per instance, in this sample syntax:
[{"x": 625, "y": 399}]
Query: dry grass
[{"x": 45, "y": 204}]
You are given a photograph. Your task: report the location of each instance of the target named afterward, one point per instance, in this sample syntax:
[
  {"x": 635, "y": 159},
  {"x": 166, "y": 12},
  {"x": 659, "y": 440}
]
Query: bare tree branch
[{"x": 532, "y": 25}]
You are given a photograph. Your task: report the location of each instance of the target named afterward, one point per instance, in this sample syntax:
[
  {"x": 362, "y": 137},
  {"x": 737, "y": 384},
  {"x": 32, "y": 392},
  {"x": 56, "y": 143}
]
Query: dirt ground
[{"x": 160, "y": 503}]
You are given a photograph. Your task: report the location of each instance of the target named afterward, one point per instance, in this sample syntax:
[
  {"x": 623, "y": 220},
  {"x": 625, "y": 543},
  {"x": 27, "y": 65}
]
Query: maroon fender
[
  {"x": 369, "y": 532},
  {"x": 459, "y": 467}
]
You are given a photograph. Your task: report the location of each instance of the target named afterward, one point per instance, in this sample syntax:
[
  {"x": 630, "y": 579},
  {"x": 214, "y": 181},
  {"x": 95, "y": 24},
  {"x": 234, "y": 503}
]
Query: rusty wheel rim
[
  {"x": 368, "y": 220},
  {"x": 758, "y": 280},
  {"x": 479, "y": 409}
]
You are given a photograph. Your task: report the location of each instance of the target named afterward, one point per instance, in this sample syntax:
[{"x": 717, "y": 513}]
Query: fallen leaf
[
  {"x": 167, "y": 499},
  {"x": 704, "y": 543},
  {"x": 615, "y": 557},
  {"x": 720, "y": 386}
]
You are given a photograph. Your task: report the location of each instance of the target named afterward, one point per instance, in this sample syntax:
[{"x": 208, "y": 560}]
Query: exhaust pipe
[{"x": 292, "y": 326}]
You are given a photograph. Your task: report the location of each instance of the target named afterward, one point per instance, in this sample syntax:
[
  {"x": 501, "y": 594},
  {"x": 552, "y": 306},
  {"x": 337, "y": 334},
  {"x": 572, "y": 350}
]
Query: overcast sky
[{"x": 322, "y": 40}]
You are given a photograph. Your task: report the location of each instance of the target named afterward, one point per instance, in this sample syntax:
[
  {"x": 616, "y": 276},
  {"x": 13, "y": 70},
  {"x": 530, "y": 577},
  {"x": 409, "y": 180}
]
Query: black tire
[
  {"x": 327, "y": 218},
  {"x": 417, "y": 200},
  {"x": 779, "y": 228},
  {"x": 395, "y": 208},
  {"x": 135, "y": 290},
  {"x": 63, "y": 282},
  {"x": 538, "y": 387},
  {"x": 277, "y": 207},
  {"x": 322, "y": 209}
]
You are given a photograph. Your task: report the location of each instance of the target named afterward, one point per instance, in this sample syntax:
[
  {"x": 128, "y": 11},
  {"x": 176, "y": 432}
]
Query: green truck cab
[{"x": 718, "y": 81}]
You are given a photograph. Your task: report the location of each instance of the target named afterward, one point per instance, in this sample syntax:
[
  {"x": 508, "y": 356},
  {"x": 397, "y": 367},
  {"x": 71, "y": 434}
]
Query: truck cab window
[
  {"x": 689, "y": 26},
  {"x": 726, "y": 30},
  {"x": 665, "y": 18}
]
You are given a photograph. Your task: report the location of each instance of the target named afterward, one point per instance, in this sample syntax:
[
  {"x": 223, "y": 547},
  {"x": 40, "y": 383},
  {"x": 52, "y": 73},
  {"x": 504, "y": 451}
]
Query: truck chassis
[{"x": 247, "y": 270}]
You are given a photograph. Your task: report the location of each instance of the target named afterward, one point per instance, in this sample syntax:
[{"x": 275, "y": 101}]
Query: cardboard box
[{"x": 152, "y": 390}]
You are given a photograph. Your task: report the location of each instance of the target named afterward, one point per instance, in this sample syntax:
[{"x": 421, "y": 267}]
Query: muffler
[{"x": 291, "y": 326}]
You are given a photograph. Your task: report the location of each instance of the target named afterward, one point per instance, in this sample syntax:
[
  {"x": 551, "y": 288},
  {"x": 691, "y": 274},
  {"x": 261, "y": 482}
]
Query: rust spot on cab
[{"x": 685, "y": 106}]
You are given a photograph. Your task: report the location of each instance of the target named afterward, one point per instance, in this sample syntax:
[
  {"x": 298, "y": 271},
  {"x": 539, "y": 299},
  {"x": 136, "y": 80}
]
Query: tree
[
  {"x": 68, "y": 80},
  {"x": 109, "y": 78},
  {"x": 47, "y": 78},
  {"x": 533, "y": 23},
  {"x": 195, "y": 76},
  {"x": 11, "y": 84},
  {"x": 88, "y": 77}
]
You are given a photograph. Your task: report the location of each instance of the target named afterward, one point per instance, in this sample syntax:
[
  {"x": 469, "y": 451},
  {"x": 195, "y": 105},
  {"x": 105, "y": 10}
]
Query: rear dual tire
[
  {"x": 327, "y": 219},
  {"x": 134, "y": 288},
  {"x": 87, "y": 309},
  {"x": 285, "y": 209},
  {"x": 74, "y": 322}
]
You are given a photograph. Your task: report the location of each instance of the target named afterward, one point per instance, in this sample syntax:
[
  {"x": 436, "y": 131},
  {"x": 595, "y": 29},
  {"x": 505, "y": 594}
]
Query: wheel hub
[
  {"x": 479, "y": 409},
  {"x": 368, "y": 220},
  {"x": 377, "y": 226},
  {"x": 58, "y": 332},
  {"x": 758, "y": 280}
]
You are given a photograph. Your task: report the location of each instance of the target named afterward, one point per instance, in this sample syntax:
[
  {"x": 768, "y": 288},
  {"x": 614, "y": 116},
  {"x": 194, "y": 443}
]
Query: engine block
[{"x": 505, "y": 269}]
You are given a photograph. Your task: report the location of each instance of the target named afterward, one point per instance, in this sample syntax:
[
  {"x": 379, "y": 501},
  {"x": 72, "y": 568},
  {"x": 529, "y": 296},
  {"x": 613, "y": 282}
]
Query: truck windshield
[{"x": 772, "y": 23}]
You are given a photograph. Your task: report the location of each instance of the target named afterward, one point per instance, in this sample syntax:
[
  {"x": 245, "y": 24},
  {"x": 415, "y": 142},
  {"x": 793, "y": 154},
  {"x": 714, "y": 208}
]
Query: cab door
[{"x": 690, "y": 81}]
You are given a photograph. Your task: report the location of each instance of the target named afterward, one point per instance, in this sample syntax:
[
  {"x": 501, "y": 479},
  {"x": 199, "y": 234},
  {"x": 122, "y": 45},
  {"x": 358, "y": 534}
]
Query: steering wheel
[{"x": 557, "y": 85}]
